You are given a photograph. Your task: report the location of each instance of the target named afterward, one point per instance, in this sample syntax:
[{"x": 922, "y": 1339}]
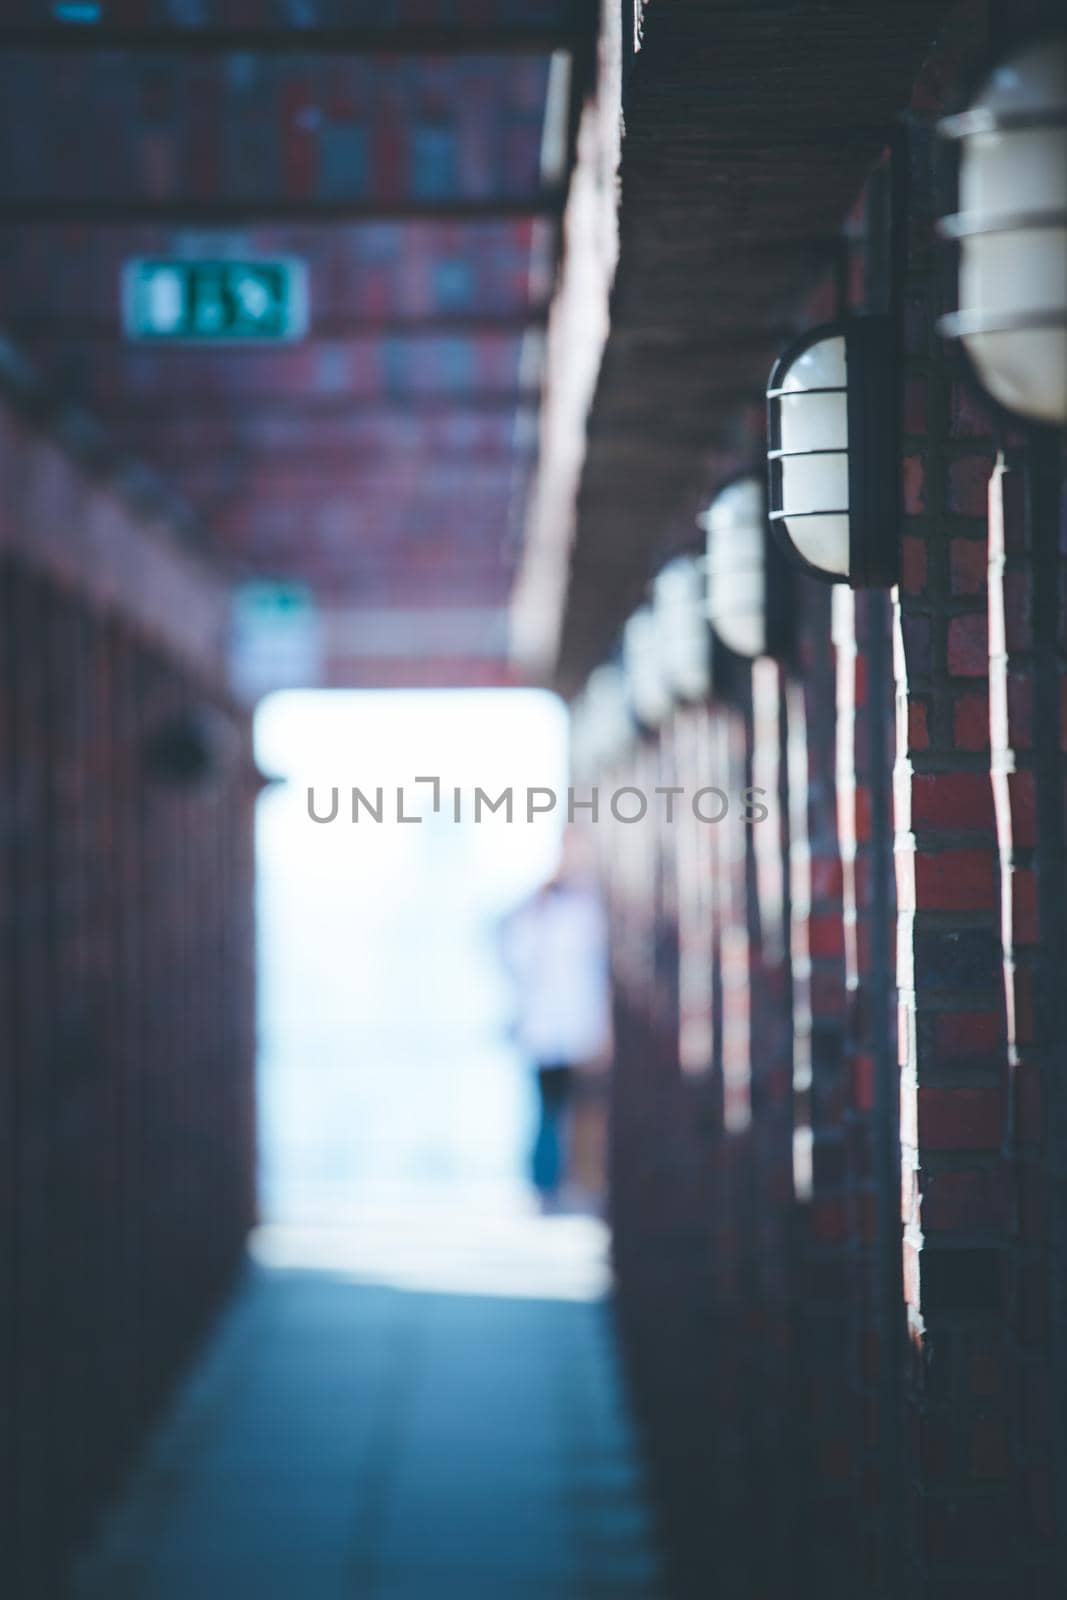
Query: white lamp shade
[
  {"x": 1012, "y": 229},
  {"x": 819, "y": 366},
  {"x": 813, "y": 439},
  {"x": 737, "y": 566},
  {"x": 601, "y": 723},
  {"x": 814, "y": 483},
  {"x": 684, "y": 647},
  {"x": 814, "y": 421},
  {"x": 642, "y": 660},
  {"x": 834, "y": 435},
  {"x": 823, "y": 542}
]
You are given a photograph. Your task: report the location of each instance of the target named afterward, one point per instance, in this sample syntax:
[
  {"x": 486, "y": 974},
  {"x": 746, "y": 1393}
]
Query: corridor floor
[{"x": 424, "y": 1414}]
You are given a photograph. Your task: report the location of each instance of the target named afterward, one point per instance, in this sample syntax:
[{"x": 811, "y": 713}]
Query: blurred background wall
[{"x": 126, "y": 1003}]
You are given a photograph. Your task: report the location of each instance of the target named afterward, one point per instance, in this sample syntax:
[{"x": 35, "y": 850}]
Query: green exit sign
[{"x": 243, "y": 302}]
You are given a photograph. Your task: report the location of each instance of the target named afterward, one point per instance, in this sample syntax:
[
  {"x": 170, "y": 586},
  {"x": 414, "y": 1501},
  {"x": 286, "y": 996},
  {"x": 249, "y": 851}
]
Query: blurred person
[{"x": 556, "y": 949}]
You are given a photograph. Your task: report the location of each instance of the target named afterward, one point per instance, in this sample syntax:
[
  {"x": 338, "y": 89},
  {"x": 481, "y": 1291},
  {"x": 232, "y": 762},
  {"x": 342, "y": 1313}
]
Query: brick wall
[
  {"x": 979, "y": 672},
  {"x": 125, "y": 985},
  {"x": 865, "y": 1147}
]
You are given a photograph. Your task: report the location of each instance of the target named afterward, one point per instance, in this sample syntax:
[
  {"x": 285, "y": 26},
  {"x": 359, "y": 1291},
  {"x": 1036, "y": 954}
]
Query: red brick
[
  {"x": 970, "y": 721},
  {"x": 918, "y": 725},
  {"x": 918, "y": 653},
  {"x": 968, "y": 486},
  {"x": 828, "y": 990},
  {"x": 963, "y": 1035},
  {"x": 826, "y": 879},
  {"x": 863, "y": 1081},
  {"x": 961, "y": 801},
  {"x": 955, "y": 880},
  {"x": 968, "y": 646},
  {"x": 912, "y": 565},
  {"x": 859, "y": 681},
  {"x": 914, "y": 485},
  {"x": 960, "y": 1119},
  {"x": 1023, "y": 808},
  {"x": 969, "y": 565},
  {"x": 826, "y": 934},
  {"x": 955, "y": 1201}
]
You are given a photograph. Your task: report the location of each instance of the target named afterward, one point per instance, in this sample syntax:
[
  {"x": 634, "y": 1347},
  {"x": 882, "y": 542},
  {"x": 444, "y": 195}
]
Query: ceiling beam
[
  {"x": 415, "y": 39},
  {"x": 175, "y": 408},
  {"x": 187, "y": 211},
  {"x": 55, "y": 324}
]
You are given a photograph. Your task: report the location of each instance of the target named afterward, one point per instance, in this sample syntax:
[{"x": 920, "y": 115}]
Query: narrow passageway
[
  {"x": 414, "y": 1393},
  {"x": 533, "y": 800},
  {"x": 348, "y": 1434}
]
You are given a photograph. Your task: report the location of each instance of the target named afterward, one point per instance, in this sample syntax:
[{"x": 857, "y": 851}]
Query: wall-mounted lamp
[
  {"x": 834, "y": 454},
  {"x": 188, "y": 748},
  {"x": 680, "y": 607},
  {"x": 602, "y": 724},
  {"x": 736, "y": 527},
  {"x": 1012, "y": 232},
  {"x": 642, "y": 660}
]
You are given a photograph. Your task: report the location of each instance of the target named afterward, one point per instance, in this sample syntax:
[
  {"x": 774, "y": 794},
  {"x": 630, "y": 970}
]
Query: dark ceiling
[{"x": 749, "y": 128}]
